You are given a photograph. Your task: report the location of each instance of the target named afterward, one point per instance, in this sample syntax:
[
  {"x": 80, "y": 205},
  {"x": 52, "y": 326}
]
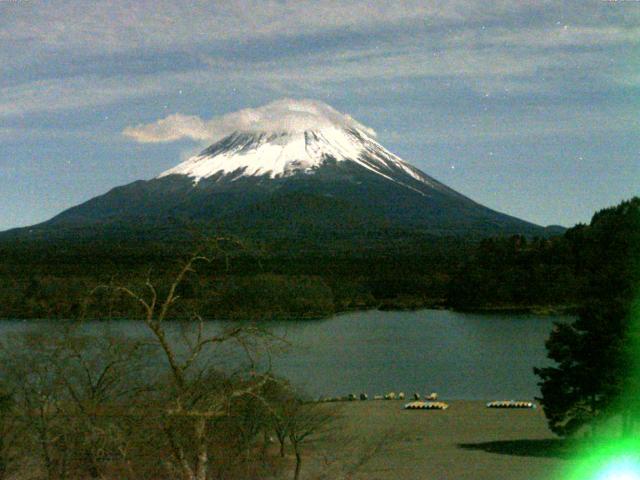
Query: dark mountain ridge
[{"x": 333, "y": 199}]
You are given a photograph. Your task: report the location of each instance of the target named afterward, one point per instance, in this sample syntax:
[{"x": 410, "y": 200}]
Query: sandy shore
[{"x": 380, "y": 440}]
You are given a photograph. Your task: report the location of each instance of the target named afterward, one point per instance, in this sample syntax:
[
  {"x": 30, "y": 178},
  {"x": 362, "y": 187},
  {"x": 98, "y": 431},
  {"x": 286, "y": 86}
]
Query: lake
[{"x": 460, "y": 356}]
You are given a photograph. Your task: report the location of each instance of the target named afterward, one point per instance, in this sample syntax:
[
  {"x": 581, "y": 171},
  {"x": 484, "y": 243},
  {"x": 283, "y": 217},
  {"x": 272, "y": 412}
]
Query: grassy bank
[{"x": 380, "y": 440}]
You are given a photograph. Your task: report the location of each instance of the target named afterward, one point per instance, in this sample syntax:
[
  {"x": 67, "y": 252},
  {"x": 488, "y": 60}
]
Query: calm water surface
[{"x": 460, "y": 356}]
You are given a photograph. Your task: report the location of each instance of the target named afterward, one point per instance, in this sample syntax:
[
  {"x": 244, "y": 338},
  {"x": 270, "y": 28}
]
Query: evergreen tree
[{"x": 595, "y": 372}]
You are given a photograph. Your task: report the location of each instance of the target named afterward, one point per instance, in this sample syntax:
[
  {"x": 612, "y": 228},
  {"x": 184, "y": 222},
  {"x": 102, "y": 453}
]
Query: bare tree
[
  {"x": 65, "y": 389},
  {"x": 307, "y": 422},
  {"x": 192, "y": 401},
  {"x": 29, "y": 372},
  {"x": 100, "y": 377},
  {"x": 278, "y": 396},
  {"x": 9, "y": 433},
  {"x": 98, "y": 406}
]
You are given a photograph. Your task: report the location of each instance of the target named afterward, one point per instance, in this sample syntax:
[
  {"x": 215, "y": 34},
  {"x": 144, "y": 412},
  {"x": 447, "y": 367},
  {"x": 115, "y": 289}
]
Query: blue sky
[{"x": 531, "y": 108}]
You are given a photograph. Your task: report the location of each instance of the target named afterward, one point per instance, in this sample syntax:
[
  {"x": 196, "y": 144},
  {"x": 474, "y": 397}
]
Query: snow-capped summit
[{"x": 306, "y": 135}]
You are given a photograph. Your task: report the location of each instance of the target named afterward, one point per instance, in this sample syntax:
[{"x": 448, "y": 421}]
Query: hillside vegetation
[{"x": 275, "y": 280}]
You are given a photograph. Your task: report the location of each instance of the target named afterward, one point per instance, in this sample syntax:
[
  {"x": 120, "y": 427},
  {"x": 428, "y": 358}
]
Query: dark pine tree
[{"x": 595, "y": 372}]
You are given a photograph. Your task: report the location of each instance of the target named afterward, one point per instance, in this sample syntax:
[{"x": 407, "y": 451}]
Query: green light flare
[
  {"x": 629, "y": 400},
  {"x": 614, "y": 460},
  {"x": 621, "y": 469},
  {"x": 617, "y": 458}
]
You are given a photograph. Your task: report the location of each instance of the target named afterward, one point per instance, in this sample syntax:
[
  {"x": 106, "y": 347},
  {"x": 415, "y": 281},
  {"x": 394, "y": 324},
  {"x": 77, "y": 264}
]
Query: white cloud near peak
[
  {"x": 171, "y": 128},
  {"x": 286, "y": 115}
]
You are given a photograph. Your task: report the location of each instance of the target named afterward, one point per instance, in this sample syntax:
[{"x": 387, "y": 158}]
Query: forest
[{"x": 247, "y": 279}]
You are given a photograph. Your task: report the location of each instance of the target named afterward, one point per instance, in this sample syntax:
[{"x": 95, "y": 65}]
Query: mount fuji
[{"x": 293, "y": 170}]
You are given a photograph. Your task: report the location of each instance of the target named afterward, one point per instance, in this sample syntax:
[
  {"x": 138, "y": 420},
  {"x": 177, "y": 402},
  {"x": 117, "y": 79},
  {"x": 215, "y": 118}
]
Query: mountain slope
[{"x": 324, "y": 179}]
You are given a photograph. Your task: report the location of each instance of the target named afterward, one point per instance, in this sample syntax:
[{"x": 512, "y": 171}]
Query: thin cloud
[
  {"x": 316, "y": 72},
  {"x": 424, "y": 39},
  {"x": 69, "y": 29},
  {"x": 113, "y": 26}
]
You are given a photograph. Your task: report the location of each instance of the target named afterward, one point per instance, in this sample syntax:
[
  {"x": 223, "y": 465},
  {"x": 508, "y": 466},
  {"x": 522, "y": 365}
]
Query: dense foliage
[
  {"x": 278, "y": 280},
  {"x": 247, "y": 281},
  {"x": 517, "y": 272},
  {"x": 596, "y": 368}
]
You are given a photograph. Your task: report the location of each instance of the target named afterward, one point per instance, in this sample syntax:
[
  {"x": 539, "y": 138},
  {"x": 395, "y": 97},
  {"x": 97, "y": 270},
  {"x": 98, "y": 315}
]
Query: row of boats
[
  {"x": 422, "y": 405},
  {"x": 510, "y": 404},
  {"x": 429, "y": 403},
  {"x": 388, "y": 396}
]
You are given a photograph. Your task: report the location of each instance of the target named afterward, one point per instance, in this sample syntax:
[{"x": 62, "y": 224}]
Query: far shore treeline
[{"x": 249, "y": 279}]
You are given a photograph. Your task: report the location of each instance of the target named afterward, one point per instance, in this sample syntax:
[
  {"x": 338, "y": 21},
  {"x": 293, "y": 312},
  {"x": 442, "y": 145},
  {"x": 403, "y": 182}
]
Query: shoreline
[{"x": 540, "y": 310}]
